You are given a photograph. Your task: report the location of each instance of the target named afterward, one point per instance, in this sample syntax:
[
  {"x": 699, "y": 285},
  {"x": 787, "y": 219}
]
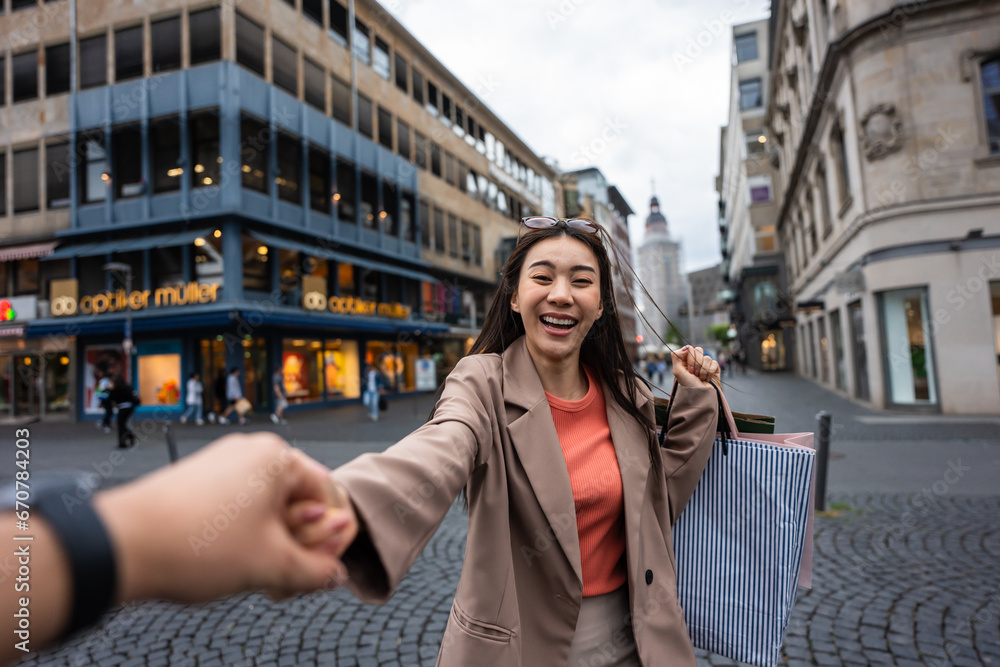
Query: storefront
[
  {"x": 35, "y": 374},
  {"x": 320, "y": 355}
]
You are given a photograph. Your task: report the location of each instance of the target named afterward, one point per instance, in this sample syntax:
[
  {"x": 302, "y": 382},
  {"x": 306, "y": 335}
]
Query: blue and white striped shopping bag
[{"x": 739, "y": 546}]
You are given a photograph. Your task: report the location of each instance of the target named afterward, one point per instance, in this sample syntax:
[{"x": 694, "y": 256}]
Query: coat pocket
[{"x": 479, "y": 629}]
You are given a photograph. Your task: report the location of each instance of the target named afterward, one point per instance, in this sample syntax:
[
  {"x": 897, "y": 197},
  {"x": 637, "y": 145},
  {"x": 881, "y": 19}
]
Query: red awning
[{"x": 26, "y": 251}]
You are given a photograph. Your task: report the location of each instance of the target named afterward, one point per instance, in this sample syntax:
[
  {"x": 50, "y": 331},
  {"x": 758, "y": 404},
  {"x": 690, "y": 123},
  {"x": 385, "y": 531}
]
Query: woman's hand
[
  {"x": 229, "y": 518},
  {"x": 693, "y": 368}
]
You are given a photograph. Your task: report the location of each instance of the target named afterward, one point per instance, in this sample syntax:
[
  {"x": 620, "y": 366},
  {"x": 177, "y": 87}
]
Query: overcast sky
[{"x": 652, "y": 76}]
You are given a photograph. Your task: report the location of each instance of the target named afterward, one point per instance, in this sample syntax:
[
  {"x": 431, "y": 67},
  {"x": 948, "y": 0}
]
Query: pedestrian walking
[
  {"x": 218, "y": 395},
  {"x": 193, "y": 399},
  {"x": 234, "y": 394},
  {"x": 374, "y": 386},
  {"x": 125, "y": 398},
  {"x": 551, "y": 436},
  {"x": 661, "y": 370},
  {"x": 104, "y": 384},
  {"x": 723, "y": 360},
  {"x": 280, "y": 396}
]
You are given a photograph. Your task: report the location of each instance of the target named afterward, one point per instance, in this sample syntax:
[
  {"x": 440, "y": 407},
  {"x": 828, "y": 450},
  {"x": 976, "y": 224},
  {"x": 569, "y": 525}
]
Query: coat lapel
[{"x": 534, "y": 437}]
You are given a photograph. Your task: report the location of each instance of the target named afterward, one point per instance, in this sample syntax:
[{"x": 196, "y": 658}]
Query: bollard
[
  {"x": 171, "y": 444},
  {"x": 822, "y": 455}
]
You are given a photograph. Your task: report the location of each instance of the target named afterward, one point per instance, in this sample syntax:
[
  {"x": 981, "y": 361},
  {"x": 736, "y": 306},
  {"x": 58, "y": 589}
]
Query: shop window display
[
  {"x": 302, "y": 364},
  {"x": 159, "y": 379},
  {"x": 341, "y": 370}
]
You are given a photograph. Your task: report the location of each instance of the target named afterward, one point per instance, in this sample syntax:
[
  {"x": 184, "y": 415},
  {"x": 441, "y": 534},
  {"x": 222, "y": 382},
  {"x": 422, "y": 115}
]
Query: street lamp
[{"x": 126, "y": 270}]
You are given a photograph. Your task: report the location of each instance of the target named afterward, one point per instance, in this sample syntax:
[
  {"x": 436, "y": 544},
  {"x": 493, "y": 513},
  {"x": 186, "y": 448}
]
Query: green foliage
[{"x": 719, "y": 332}]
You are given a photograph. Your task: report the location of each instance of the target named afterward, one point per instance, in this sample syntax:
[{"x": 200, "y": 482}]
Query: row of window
[
  {"x": 126, "y": 45},
  {"x": 372, "y": 50},
  {"x": 446, "y": 233}
]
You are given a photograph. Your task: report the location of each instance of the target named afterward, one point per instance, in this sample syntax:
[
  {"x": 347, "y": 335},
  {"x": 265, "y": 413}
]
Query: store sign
[
  {"x": 7, "y": 312},
  {"x": 426, "y": 374},
  {"x": 314, "y": 298},
  {"x": 64, "y": 301}
]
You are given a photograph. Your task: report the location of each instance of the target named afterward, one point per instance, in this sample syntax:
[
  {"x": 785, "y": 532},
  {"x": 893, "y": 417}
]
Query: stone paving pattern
[{"x": 908, "y": 572}]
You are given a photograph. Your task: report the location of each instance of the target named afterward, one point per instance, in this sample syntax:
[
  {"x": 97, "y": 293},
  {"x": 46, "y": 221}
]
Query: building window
[
  {"x": 93, "y": 61},
  {"x": 824, "y": 201},
  {"x": 319, "y": 179},
  {"x": 341, "y": 101},
  {"x": 126, "y": 163},
  {"x": 477, "y": 246},
  {"x": 759, "y": 189},
  {"x": 380, "y": 61},
  {"x": 432, "y": 98},
  {"x": 420, "y": 154},
  {"x": 839, "y": 361},
  {"x": 406, "y": 225},
  {"x": 909, "y": 356},
  {"x": 255, "y": 140},
  {"x": 57, "y": 164},
  {"x": 453, "y": 247},
  {"x": 425, "y": 224},
  {"x": 418, "y": 87},
  {"x": 128, "y": 53},
  {"x": 765, "y": 239},
  {"x": 338, "y": 19},
  {"x": 385, "y": 127},
  {"x": 365, "y": 117},
  {"x": 204, "y": 29},
  {"x": 22, "y": 4},
  {"x": 439, "y": 230},
  {"x": 345, "y": 192},
  {"x": 389, "y": 215},
  {"x": 285, "y": 66},
  {"x": 403, "y": 139},
  {"x": 314, "y": 10},
  {"x": 402, "y": 73},
  {"x": 362, "y": 42},
  {"x": 249, "y": 44},
  {"x": 289, "y": 168},
  {"x": 369, "y": 200},
  {"x": 435, "y": 159},
  {"x": 165, "y": 145},
  {"x": 445, "y": 109},
  {"x": 315, "y": 83},
  {"x": 25, "y": 277},
  {"x": 204, "y": 129},
  {"x": 25, "y": 71},
  {"x": 839, "y": 152},
  {"x": 3, "y": 203},
  {"x": 26, "y": 180},
  {"x": 255, "y": 256},
  {"x": 449, "y": 168},
  {"x": 466, "y": 242},
  {"x": 56, "y": 69},
  {"x": 166, "y": 36},
  {"x": 93, "y": 167},
  {"x": 990, "y": 71},
  {"x": 751, "y": 94},
  {"x": 756, "y": 142},
  {"x": 3, "y": 90},
  {"x": 746, "y": 47}
]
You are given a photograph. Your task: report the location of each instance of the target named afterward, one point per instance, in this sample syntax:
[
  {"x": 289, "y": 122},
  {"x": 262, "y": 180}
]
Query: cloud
[{"x": 660, "y": 71}]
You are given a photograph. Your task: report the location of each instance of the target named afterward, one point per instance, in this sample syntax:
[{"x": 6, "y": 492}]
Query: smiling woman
[{"x": 549, "y": 432}]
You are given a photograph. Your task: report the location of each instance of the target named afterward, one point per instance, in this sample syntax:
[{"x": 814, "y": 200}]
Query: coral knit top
[{"x": 585, "y": 438}]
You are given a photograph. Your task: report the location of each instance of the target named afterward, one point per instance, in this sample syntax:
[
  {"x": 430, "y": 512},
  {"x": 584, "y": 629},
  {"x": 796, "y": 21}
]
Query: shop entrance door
[
  {"x": 24, "y": 382},
  {"x": 860, "y": 355},
  {"x": 212, "y": 366},
  {"x": 255, "y": 381}
]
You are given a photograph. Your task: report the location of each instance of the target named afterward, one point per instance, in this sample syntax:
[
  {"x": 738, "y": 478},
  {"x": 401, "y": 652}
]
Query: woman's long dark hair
[{"x": 603, "y": 349}]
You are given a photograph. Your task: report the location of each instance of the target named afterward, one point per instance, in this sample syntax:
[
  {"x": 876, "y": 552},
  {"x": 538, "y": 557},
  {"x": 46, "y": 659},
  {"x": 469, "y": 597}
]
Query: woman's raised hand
[{"x": 693, "y": 368}]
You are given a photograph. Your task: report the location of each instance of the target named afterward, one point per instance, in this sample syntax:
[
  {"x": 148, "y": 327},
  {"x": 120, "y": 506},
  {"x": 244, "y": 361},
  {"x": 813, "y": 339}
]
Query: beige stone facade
[{"x": 885, "y": 117}]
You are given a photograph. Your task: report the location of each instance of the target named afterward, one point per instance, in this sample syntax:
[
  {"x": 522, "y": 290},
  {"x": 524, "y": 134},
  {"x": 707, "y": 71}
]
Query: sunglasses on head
[{"x": 544, "y": 222}]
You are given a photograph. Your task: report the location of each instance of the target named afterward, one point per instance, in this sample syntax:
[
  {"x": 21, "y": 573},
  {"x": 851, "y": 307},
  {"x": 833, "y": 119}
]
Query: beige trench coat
[{"x": 521, "y": 584}]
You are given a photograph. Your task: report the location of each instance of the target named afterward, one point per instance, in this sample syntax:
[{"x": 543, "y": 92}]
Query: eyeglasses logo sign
[
  {"x": 7, "y": 312},
  {"x": 64, "y": 305},
  {"x": 64, "y": 299},
  {"x": 314, "y": 301}
]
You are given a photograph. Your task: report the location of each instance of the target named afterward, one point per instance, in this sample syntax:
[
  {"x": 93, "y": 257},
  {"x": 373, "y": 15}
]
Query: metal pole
[
  {"x": 171, "y": 444},
  {"x": 822, "y": 455}
]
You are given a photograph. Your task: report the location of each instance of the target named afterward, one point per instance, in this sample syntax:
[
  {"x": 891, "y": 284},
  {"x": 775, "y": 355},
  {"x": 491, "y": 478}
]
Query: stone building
[
  {"x": 587, "y": 193},
  {"x": 753, "y": 264},
  {"x": 296, "y": 186},
  {"x": 886, "y": 117},
  {"x": 659, "y": 269}
]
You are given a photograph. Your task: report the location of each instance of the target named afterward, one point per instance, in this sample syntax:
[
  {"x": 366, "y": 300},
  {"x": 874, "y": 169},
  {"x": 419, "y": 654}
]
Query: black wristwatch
[{"x": 65, "y": 506}]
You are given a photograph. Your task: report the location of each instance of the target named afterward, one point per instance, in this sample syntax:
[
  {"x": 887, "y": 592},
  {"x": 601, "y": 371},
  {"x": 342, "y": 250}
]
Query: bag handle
[{"x": 729, "y": 427}]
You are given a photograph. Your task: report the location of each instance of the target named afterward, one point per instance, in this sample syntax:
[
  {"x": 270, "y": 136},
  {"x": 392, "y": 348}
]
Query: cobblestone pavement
[{"x": 898, "y": 580}]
